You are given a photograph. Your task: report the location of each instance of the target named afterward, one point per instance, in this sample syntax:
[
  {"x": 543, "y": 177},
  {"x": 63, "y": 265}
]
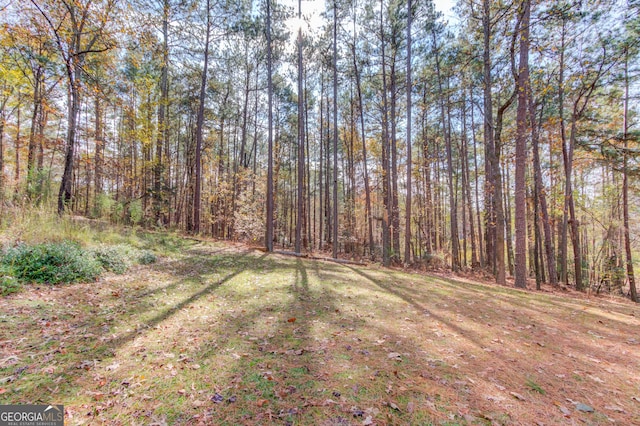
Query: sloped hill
[{"x": 222, "y": 334}]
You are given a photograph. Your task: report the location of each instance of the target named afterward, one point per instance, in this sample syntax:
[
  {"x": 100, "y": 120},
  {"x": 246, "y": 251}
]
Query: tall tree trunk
[
  {"x": 16, "y": 176},
  {"x": 199, "y": 127},
  {"x": 2, "y": 123},
  {"x": 335, "y": 129},
  {"x": 466, "y": 188},
  {"x": 73, "y": 99},
  {"x": 538, "y": 258},
  {"x": 386, "y": 179},
  {"x": 270, "y": 204},
  {"x": 455, "y": 251},
  {"x": 34, "y": 131},
  {"x": 327, "y": 181},
  {"x": 407, "y": 233},
  {"x": 426, "y": 172},
  {"x": 321, "y": 164},
  {"x": 300, "y": 198},
  {"x": 307, "y": 239},
  {"x": 573, "y": 222},
  {"x": 475, "y": 163},
  {"x": 159, "y": 204},
  {"x": 625, "y": 183},
  {"x": 367, "y": 189},
  {"x": 243, "y": 157},
  {"x": 508, "y": 228},
  {"x": 495, "y": 253},
  {"x": 497, "y": 194},
  {"x": 522, "y": 88},
  {"x": 350, "y": 178},
  {"x": 395, "y": 208},
  {"x": 541, "y": 197},
  {"x": 99, "y": 154},
  {"x": 564, "y": 277}
]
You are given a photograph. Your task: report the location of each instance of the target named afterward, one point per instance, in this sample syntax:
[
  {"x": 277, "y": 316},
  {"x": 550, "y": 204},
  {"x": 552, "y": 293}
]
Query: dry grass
[{"x": 221, "y": 334}]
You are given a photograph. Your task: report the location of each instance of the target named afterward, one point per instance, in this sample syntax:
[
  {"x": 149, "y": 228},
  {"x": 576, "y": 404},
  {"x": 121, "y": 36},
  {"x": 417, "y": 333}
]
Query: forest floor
[{"x": 219, "y": 334}]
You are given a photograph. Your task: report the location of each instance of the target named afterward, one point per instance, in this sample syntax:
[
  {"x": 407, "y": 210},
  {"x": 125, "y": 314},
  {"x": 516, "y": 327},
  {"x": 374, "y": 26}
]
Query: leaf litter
[{"x": 195, "y": 339}]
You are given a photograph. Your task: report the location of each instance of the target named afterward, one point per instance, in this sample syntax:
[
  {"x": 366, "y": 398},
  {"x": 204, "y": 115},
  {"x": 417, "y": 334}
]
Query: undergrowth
[
  {"x": 37, "y": 246},
  {"x": 38, "y": 225},
  {"x": 51, "y": 263},
  {"x": 115, "y": 258},
  {"x": 8, "y": 283}
]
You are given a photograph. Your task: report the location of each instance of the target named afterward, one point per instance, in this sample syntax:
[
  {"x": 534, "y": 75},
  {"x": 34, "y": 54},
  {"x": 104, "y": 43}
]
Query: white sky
[
  {"x": 444, "y": 6},
  {"x": 311, "y": 10}
]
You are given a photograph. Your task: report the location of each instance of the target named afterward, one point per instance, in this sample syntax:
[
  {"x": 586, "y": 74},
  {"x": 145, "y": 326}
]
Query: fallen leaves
[
  {"x": 357, "y": 412},
  {"x": 392, "y": 405},
  {"x": 517, "y": 396},
  {"x": 495, "y": 398},
  {"x": 87, "y": 365},
  {"x": 259, "y": 359},
  {"x": 112, "y": 367},
  {"x": 97, "y": 396},
  {"x": 613, "y": 407},
  {"x": 584, "y": 408},
  {"x": 564, "y": 410},
  {"x": 595, "y": 378},
  {"x": 395, "y": 356}
]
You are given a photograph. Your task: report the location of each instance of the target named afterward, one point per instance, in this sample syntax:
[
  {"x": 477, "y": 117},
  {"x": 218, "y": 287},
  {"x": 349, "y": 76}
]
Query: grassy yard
[{"x": 226, "y": 335}]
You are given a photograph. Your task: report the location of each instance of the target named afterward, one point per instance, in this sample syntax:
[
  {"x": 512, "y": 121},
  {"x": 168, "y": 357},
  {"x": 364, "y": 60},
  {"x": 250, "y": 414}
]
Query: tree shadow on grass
[
  {"x": 531, "y": 309},
  {"x": 275, "y": 362},
  {"x": 120, "y": 340},
  {"x": 410, "y": 299},
  {"x": 533, "y": 351},
  {"x": 254, "y": 365},
  {"x": 73, "y": 348}
]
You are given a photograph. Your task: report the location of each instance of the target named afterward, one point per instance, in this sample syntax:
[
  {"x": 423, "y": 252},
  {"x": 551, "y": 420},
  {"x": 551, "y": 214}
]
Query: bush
[
  {"x": 113, "y": 258},
  {"x": 51, "y": 263},
  {"x": 432, "y": 261},
  {"x": 147, "y": 258},
  {"x": 8, "y": 283}
]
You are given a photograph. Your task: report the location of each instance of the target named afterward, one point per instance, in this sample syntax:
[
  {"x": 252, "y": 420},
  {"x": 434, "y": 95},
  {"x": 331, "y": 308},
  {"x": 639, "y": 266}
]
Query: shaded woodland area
[{"x": 505, "y": 141}]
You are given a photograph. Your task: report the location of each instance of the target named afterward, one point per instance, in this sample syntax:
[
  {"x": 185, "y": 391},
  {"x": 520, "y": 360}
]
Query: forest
[{"x": 501, "y": 138}]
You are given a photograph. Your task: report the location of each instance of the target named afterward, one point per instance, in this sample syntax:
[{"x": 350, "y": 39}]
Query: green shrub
[
  {"x": 8, "y": 283},
  {"x": 117, "y": 212},
  {"x": 114, "y": 258},
  {"x": 135, "y": 212},
  {"x": 103, "y": 206},
  {"x": 147, "y": 258},
  {"x": 52, "y": 263}
]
